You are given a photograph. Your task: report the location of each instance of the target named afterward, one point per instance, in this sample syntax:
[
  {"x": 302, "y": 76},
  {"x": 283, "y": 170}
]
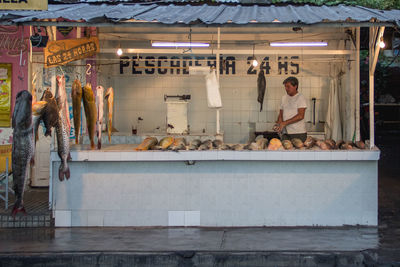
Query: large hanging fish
[
  {"x": 76, "y": 107},
  {"x": 50, "y": 113},
  {"x": 100, "y": 111},
  {"x": 61, "y": 96},
  {"x": 261, "y": 85},
  {"x": 22, "y": 147},
  {"x": 110, "y": 105},
  {"x": 63, "y": 147},
  {"x": 90, "y": 112}
]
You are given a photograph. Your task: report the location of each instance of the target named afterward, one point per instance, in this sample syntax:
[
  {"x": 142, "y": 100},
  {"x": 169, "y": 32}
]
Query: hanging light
[
  {"x": 294, "y": 44},
  {"x": 382, "y": 43},
  {"x": 254, "y": 62},
  {"x": 179, "y": 44},
  {"x": 119, "y": 51}
]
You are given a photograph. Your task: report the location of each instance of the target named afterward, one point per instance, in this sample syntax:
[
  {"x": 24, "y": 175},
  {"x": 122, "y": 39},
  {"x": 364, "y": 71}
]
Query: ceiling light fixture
[
  {"x": 382, "y": 43},
  {"x": 293, "y": 44},
  {"x": 179, "y": 44}
]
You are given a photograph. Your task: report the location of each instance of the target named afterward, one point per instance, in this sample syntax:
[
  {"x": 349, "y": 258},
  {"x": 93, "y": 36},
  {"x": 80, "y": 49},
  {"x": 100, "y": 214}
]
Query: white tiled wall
[{"x": 143, "y": 96}]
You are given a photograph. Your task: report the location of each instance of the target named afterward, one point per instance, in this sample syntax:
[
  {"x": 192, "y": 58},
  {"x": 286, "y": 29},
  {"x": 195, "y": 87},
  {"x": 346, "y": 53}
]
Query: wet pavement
[{"x": 262, "y": 246}]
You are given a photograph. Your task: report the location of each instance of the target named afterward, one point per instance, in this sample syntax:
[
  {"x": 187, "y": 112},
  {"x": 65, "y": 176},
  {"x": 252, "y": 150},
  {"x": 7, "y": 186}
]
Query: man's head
[{"x": 291, "y": 85}]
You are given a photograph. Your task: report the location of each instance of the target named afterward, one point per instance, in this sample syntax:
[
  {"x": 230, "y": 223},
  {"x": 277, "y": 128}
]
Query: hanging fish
[
  {"x": 110, "y": 105},
  {"x": 100, "y": 111},
  {"x": 37, "y": 114},
  {"x": 22, "y": 147},
  {"x": 51, "y": 112},
  {"x": 90, "y": 112},
  {"x": 76, "y": 107},
  {"x": 62, "y": 102},
  {"x": 261, "y": 85},
  {"x": 63, "y": 151}
]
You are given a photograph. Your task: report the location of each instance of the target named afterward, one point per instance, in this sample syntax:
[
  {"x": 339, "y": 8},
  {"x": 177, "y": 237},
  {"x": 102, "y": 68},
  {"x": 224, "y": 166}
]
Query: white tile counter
[{"x": 118, "y": 186}]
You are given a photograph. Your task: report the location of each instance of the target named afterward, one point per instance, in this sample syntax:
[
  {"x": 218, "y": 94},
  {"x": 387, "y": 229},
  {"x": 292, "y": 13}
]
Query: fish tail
[
  {"x": 63, "y": 171},
  {"x": 99, "y": 144},
  {"x": 260, "y": 107},
  {"x": 17, "y": 209}
]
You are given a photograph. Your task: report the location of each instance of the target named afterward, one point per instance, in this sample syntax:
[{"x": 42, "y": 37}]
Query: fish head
[
  {"x": 109, "y": 92},
  {"x": 22, "y": 116},
  {"x": 47, "y": 94}
]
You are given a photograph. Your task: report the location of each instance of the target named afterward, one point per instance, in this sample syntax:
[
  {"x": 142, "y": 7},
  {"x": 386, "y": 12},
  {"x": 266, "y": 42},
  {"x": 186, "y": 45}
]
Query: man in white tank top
[{"x": 291, "y": 114}]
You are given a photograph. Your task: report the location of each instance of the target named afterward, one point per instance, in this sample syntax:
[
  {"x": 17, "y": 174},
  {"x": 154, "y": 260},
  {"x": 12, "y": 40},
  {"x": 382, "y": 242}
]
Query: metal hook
[{"x": 88, "y": 72}]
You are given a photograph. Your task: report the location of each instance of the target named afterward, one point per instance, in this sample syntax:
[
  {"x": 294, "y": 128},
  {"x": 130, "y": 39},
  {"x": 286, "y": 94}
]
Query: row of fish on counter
[
  {"x": 260, "y": 143},
  {"x": 53, "y": 111}
]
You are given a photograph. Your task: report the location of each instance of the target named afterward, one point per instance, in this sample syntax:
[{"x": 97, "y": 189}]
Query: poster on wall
[{"x": 5, "y": 94}]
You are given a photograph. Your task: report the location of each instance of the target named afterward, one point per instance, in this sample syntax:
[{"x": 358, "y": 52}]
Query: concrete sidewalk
[{"x": 344, "y": 246}]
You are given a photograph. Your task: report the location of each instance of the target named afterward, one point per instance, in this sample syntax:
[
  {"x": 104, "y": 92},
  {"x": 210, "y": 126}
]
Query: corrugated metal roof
[{"x": 205, "y": 14}]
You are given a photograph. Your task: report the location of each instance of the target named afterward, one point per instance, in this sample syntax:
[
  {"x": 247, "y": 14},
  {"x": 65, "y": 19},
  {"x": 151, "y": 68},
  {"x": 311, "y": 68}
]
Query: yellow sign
[
  {"x": 5, "y": 152},
  {"x": 24, "y": 4},
  {"x": 5, "y": 94},
  {"x": 58, "y": 53}
]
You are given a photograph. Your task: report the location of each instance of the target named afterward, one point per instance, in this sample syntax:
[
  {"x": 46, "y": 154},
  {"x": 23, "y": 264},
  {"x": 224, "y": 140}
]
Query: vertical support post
[
  {"x": 218, "y": 131},
  {"x": 357, "y": 84},
  {"x": 6, "y": 184},
  {"x": 374, "y": 48}
]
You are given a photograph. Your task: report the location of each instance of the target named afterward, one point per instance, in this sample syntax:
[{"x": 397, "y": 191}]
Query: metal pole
[
  {"x": 357, "y": 84},
  {"x": 219, "y": 84}
]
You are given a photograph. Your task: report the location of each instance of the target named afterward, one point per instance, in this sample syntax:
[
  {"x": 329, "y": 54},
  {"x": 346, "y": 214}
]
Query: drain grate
[{"x": 37, "y": 208}]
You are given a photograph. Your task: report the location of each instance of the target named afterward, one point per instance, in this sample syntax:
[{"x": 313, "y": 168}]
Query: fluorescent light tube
[
  {"x": 291, "y": 44},
  {"x": 179, "y": 44}
]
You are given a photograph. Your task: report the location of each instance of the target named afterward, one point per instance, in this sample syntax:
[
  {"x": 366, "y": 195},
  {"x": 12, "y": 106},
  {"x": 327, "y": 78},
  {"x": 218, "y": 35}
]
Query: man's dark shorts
[{"x": 301, "y": 136}]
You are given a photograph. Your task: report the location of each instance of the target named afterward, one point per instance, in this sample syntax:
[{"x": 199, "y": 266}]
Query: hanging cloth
[
  {"x": 213, "y": 94},
  {"x": 333, "y": 122}
]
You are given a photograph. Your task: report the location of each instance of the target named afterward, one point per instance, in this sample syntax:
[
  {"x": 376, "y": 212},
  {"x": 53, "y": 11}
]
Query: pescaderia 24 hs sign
[{"x": 230, "y": 65}]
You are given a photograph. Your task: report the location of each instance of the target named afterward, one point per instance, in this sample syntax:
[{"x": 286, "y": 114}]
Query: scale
[{"x": 177, "y": 122}]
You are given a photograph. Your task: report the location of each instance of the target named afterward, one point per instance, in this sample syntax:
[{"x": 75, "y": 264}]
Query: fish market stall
[{"x": 177, "y": 143}]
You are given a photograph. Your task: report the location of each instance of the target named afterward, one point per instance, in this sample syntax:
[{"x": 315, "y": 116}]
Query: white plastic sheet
[{"x": 213, "y": 94}]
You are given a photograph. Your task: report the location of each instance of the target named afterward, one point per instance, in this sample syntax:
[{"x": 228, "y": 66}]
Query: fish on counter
[
  {"x": 100, "y": 111},
  {"x": 225, "y": 147},
  {"x": 178, "y": 144},
  {"x": 89, "y": 106},
  {"x": 76, "y": 95},
  {"x": 51, "y": 112},
  {"x": 322, "y": 145},
  {"x": 274, "y": 144},
  {"x": 237, "y": 147},
  {"x": 217, "y": 144},
  {"x": 166, "y": 142},
  {"x": 331, "y": 143},
  {"x": 338, "y": 144},
  {"x": 194, "y": 144},
  {"x": 206, "y": 145},
  {"x": 287, "y": 144},
  {"x": 62, "y": 101},
  {"x": 347, "y": 146},
  {"x": 360, "y": 144},
  {"x": 110, "y": 106},
  {"x": 147, "y": 144},
  {"x": 261, "y": 142},
  {"x": 309, "y": 143},
  {"x": 22, "y": 147},
  {"x": 261, "y": 85},
  {"x": 297, "y": 143},
  {"x": 38, "y": 109}
]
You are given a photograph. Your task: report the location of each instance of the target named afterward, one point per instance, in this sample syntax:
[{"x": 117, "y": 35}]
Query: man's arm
[{"x": 298, "y": 117}]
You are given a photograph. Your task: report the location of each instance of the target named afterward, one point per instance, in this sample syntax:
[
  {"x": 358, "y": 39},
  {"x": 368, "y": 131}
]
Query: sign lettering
[
  {"x": 58, "y": 53},
  {"x": 176, "y": 65},
  {"x": 23, "y": 4}
]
